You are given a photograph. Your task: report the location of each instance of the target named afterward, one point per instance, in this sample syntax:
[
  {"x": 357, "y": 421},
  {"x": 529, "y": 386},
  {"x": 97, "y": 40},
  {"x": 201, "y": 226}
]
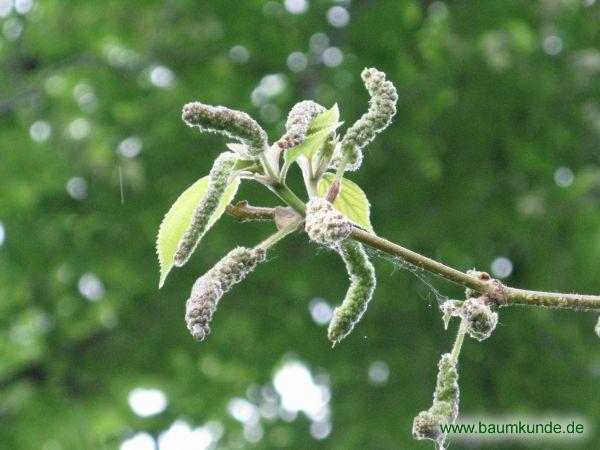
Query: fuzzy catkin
[
  {"x": 382, "y": 108},
  {"x": 201, "y": 306},
  {"x": 446, "y": 389},
  {"x": 479, "y": 319},
  {"x": 360, "y": 292},
  {"x": 444, "y": 409},
  {"x": 298, "y": 122},
  {"x": 228, "y": 122},
  {"x": 219, "y": 177},
  {"x": 210, "y": 287},
  {"x": 325, "y": 225}
]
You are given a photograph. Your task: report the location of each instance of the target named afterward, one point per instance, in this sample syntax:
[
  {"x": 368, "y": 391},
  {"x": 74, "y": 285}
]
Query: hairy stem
[
  {"x": 460, "y": 336},
  {"x": 497, "y": 292},
  {"x": 288, "y": 196},
  {"x": 280, "y": 234},
  {"x": 268, "y": 168}
]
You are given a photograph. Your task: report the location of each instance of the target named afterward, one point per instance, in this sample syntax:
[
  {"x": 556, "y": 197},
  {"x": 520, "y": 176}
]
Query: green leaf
[
  {"x": 351, "y": 201},
  {"x": 325, "y": 120},
  {"x": 178, "y": 218},
  {"x": 312, "y": 143}
]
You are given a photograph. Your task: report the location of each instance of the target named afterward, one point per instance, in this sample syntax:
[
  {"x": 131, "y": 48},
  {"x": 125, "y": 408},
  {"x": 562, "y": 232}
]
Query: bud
[
  {"x": 228, "y": 122},
  {"x": 210, "y": 287},
  {"x": 298, "y": 122},
  {"x": 476, "y": 274},
  {"x": 219, "y": 179},
  {"x": 479, "y": 319},
  {"x": 360, "y": 292},
  {"x": 324, "y": 224},
  {"x": 382, "y": 107}
]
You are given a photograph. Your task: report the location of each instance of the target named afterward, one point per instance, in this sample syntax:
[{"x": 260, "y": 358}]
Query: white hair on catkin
[
  {"x": 228, "y": 122},
  {"x": 479, "y": 319},
  {"x": 444, "y": 410},
  {"x": 324, "y": 224},
  {"x": 210, "y": 287},
  {"x": 382, "y": 108},
  {"x": 360, "y": 292},
  {"x": 219, "y": 178},
  {"x": 298, "y": 122}
]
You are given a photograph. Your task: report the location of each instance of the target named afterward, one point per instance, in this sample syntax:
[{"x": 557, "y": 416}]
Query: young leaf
[
  {"x": 178, "y": 218},
  {"x": 312, "y": 143},
  {"x": 351, "y": 201},
  {"x": 241, "y": 150},
  {"x": 325, "y": 120}
]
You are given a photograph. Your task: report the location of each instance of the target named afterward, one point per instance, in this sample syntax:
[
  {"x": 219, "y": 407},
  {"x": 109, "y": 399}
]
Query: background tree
[{"x": 491, "y": 163}]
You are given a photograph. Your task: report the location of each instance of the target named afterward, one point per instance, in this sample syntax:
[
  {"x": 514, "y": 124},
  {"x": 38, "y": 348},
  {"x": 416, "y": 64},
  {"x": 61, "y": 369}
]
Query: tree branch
[{"x": 496, "y": 291}]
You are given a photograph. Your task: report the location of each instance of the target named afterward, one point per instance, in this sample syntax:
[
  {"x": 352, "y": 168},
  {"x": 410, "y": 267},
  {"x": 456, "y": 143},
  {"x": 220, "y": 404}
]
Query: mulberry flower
[
  {"x": 219, "y": 178},
  {"x": 382, "y": 108},
  {"x": 444, "y": 409},
  {"x": 236, "y": 265},
  {"x": 360, "y": 292},
  {"x": 479, "y": 319},
  {"x": 201, "y": 305},
  {"x": 210, "y": 287},
  {"x": 228, "y": 122},
  {"x": 324, "y": 224},
  {"x": 298, "y": 122}
]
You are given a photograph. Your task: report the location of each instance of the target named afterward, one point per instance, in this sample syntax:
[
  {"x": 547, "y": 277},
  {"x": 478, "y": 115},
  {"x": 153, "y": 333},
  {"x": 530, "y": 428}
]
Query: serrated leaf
[
  {"x": 324, "y": 120},
  {"x": 177, "y": 220},
  {"x": 351, "y": 201}
]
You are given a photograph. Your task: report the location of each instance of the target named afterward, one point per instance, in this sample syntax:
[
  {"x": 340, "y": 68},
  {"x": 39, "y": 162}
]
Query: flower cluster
[
  {"x": 382, "y": 108},
  {"x": 444, "y": 409},
  {"x": 325, "y": 225},
  {"x": 360, "y": 292},
  {"x": 228, "y": 122},
  {"x": 479, "y": 319},
  {"x": 298, "y": 122},
  {"x": 219, "y": 178},
  {"x": 210, "y": 287}
]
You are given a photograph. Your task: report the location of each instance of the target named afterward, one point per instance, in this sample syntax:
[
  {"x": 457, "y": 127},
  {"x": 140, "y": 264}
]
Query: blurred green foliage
[{"x": 494, "y": 152}]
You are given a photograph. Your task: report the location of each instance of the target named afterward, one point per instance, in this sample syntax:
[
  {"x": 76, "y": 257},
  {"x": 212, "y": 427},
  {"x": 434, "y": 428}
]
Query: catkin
[
  {"x": 444, "y": 409},
  {"x": 219, "y": 178},
  {"x": 228, "y": 122},
  {"x": 325, "y": 225},
  {"x": 382, "y": 108},
  {"x": 479, "y": 319},
  {"x": 360, "y": 292},
  {"x": 597, "y": 327},
  {"x": 298, "y": 122},
  {"x": 210, "y": 287}
]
